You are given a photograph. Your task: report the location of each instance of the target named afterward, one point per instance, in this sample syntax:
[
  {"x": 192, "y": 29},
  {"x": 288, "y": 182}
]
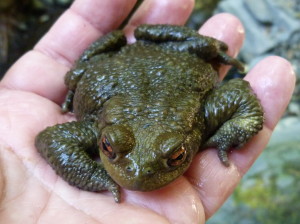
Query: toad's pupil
[
  {"x": 107, "y": 149},
  {"x": 106, "y": 143},
  {"x": 179, "y": 157}
]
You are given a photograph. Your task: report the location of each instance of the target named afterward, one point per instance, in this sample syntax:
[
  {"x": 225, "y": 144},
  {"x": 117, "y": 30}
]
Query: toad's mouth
[
  {"x": 143, "y": 181},
  {"x": 149, "y": 184}
]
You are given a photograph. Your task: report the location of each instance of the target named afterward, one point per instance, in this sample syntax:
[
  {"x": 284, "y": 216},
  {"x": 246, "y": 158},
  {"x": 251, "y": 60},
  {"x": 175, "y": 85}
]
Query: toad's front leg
[
  {"x": 104, "y": 47},
  {"x": 67, "y": 148},
  {"x": 233, "y": 115}
]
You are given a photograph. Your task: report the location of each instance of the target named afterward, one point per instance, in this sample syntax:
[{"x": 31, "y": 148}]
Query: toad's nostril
[
  {"x": 149, "y": 171},
  {"x": 129, "y": 169}
]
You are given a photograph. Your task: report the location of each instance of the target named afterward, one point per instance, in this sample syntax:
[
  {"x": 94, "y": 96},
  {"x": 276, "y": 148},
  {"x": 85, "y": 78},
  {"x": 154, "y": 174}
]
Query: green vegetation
[{"x": 270, "y": 191}]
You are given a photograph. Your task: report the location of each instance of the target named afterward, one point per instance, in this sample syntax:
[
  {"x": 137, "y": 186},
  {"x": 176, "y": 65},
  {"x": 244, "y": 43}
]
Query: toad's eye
[
  {"x": 107, "y": 149},
  {"x": 177, "y": 158}
]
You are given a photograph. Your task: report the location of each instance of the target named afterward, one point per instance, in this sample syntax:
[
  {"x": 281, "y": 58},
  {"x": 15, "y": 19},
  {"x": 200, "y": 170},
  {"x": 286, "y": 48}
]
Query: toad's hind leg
[
  {"x": 233, "y": 115},
  {"x": 103, "y": 47},
  {"x": 66, "y": 147},
  {"x": 181, "y": 38}
]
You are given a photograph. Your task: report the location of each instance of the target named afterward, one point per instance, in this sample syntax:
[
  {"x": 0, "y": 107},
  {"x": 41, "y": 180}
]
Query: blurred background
[{"x": 270, "y": 191}]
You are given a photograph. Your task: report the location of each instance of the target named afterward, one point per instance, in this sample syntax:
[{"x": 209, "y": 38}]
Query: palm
[{"x": 28, "y": 185}]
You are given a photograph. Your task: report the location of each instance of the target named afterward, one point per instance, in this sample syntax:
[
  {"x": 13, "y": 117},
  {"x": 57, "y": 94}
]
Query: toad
[{"x": 147, "y": 109}]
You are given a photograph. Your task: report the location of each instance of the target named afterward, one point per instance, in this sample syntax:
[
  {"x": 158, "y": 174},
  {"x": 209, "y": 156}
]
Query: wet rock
[
  {"x": 260, "y": 10},
  {"x": 267, "y": 24}
]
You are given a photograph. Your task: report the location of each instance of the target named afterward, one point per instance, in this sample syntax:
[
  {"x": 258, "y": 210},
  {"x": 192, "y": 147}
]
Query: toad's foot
[
  {"x": 182, "y": 39},
  {"x": 233, "y": 115}
]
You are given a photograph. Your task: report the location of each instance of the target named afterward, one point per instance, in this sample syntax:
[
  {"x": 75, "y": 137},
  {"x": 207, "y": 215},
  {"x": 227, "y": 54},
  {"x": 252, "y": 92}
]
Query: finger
[
  {"x": 82, "y": 24},
  {"x": 273, "y": 81},
  {"x": 55, "y": 53},
  {"x": 160, "y": 12},
  {"x": 227, "y": 28},
  {"x": 273, "y": 78},
  {"x": 37, "y": 73},
  {"x": 274, "y": 87}
]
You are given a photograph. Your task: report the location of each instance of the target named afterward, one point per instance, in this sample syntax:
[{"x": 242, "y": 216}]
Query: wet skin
[{"x": 148, "y": 109}]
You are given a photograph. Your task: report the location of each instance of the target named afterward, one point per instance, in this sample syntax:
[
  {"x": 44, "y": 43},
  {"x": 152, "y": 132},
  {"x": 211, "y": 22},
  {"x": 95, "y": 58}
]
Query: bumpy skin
[{"x": 148, "y": 108}]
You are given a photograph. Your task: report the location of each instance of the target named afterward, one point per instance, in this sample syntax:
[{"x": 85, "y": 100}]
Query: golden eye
[
  {"x": 107, "y": 149},
  {"x": 177, "y": 158}
]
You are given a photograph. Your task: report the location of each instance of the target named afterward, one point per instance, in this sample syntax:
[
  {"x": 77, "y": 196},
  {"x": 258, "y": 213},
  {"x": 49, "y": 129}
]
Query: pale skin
[{"x": 33, "y": 89}]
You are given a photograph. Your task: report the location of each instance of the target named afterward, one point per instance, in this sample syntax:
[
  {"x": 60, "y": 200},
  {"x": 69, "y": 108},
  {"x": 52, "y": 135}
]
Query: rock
[
  {"x": 260, "y": 10},
  {"x": 266, "y": 22}
]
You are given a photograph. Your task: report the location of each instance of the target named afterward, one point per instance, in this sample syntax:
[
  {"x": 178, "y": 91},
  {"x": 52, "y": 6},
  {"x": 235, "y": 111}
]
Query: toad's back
[{"x": 143, "y": 75}]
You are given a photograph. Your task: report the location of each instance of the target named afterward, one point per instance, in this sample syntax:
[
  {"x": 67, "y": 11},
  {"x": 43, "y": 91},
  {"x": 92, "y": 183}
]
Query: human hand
[{"x": 33, "y": 89}]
